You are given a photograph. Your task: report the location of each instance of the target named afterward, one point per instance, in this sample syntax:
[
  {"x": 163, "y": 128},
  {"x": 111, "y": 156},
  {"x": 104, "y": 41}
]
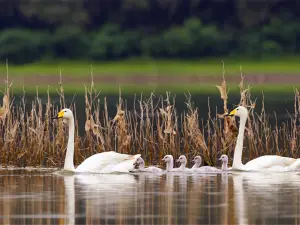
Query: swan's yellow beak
[
  {"x": 59, "y": 115},
  {"x": 233, "y": 112}
]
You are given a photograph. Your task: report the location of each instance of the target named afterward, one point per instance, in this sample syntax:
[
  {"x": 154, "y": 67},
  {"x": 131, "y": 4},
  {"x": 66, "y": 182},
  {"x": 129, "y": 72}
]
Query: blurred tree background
[{"x": 32, "y": 30}]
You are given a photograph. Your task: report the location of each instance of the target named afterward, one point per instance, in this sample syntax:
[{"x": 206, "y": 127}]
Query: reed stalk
[{"x": 28, "y": 137}]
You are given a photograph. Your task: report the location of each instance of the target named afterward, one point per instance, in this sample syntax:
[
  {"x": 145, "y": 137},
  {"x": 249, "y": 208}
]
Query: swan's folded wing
[
  {"x": 107, "y": 161},
  {"x": 207, "y": 169},
  {"x": 154, "y": 169},
  {"x": 268, "y": 161}
]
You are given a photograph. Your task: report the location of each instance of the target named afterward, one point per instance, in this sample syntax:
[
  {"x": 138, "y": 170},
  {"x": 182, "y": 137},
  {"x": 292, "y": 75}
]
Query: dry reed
[{"x": 30, "y": 138}]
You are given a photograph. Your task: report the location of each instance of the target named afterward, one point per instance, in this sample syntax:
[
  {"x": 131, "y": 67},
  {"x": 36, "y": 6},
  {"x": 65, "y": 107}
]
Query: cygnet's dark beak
[{"x": 178, "y": 160}]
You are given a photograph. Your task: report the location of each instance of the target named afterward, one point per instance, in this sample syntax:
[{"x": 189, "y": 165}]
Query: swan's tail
[
  {"x": 135, "y": 157},
  {"x": 127, "y": 165}
]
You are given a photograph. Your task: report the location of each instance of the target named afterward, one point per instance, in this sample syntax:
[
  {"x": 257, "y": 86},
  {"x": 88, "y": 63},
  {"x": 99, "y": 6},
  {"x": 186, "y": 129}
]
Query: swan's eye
[{"x": 237, "y": 109}]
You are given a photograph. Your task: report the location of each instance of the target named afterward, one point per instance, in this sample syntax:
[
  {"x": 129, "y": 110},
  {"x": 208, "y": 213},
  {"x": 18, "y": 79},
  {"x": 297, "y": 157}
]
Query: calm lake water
[{"x": 44, "y": 197}]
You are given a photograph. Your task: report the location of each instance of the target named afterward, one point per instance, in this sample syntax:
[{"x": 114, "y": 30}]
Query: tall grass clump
[{"x": 28, "y": 136}]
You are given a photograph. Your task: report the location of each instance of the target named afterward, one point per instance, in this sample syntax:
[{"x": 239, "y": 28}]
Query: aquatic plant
[{"x": 28, "y": 137}]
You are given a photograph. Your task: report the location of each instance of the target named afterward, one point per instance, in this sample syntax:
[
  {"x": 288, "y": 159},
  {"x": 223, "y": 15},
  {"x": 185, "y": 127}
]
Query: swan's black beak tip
[{"x": 54, "y": 117}]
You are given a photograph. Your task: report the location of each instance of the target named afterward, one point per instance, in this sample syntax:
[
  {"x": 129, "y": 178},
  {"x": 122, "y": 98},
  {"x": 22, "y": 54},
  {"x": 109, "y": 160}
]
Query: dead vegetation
[{"x": 30, "y": 138}]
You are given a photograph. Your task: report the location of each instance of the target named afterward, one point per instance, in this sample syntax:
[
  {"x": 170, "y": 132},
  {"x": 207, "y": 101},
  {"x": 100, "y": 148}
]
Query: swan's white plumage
[
  {"x": 269, "y": 161},
  {"x": 197, "y": 162},
  {"x": 108, "y": 162},
  {"x": 169, "y": 160},
  {"x": 197, "y": 168},
  {"x": 151, "y": 169},
  {"x": 224, "y": 159},
  {"x": 272, "y": 163},
  {"x": 105, "y": 162},
  {"x": 183, "y": 161},
  {"x": 207, "y": 169}
]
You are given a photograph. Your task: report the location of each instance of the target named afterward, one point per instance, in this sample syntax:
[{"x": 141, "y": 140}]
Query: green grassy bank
[
  {"x": 286, "y": 64},
  {"x": 142, "y": 67}
]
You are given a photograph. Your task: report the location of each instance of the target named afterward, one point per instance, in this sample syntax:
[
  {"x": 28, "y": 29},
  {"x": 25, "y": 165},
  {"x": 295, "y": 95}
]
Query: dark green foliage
[
  {"x": 153, "y": 46},
  {"x": 271, "y": 48},
  {"x": 111, "y": 43},
  {"x": 250, "y": 44},
  {"x": 102, "y": 30},
  {"x": 187, "y": 40},
  {"x": 21, "y": 46},
  {"x": 70, "y": 42}
]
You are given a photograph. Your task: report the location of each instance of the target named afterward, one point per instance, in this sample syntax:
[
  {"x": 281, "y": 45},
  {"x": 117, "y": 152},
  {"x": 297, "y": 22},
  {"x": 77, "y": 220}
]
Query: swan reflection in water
[
  {"x": 266, "y": 197},
  {"x": 171, "y": 198},
  {"x": 97, "y": 190}
]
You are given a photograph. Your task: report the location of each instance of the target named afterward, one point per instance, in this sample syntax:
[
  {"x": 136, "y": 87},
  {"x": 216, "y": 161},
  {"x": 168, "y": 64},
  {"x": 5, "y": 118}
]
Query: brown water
[{"x": 43, "y": 197}]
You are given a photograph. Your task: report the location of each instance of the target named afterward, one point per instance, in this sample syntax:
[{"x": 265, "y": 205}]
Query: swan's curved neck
[
  {"x": 196, "y": 165},
  {"x": 170, "y": 165},
  {"x": 224, "y": 165},
  {"x": 183, "y": 165},
  {"x": 142, "y": 166},
  {"x": 238, "y": 151},
  {"x": 69, "y": 164}
]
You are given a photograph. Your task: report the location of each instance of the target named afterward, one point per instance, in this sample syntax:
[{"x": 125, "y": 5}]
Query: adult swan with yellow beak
[
  {"x": 105, "y": 162},
  {"x": 272, "y": 163}
]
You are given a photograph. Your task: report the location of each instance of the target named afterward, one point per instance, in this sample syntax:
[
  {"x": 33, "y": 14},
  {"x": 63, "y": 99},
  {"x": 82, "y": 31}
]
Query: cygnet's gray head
[
  {"x": 224, "y": 158},
  {"x": 197, "y": 160},
  {"x": 168, "y": 159},
  {"x": 182, "y": 159},
  {"x": 139, "y": 161}
]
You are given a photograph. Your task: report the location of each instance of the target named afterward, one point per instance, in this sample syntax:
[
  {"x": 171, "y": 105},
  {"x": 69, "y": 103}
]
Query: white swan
[
  {"x": 169, "y": 160},
  {"x": 105, "y": 162},
  {"x": 224, "y": 159},
  {"x": 197, "y": 162},
  {"x": 272, "y": 163},
  {"x": 203, "y": 169},
  {"x": 183, "y": 161},
  {"x": 141, "y": 167}
]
